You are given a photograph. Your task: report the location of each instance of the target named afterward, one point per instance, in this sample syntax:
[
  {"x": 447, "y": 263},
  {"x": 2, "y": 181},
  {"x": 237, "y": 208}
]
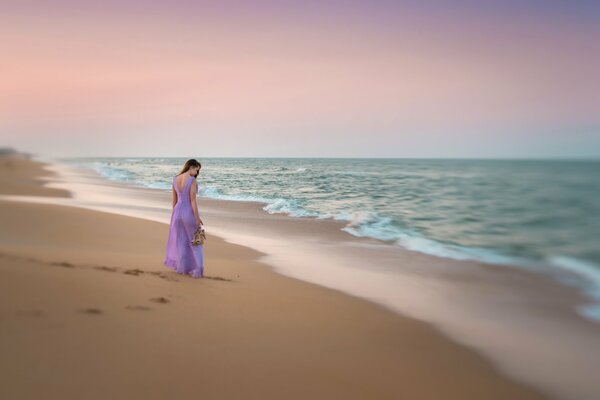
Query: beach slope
[{"x": 87, "y": 310}]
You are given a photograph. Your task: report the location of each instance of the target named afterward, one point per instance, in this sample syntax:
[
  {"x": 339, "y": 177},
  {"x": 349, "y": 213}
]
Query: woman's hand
[{"x": 198, "y": 221}]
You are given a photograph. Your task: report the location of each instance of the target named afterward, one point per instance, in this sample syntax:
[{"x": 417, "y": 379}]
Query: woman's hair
[{"x": 189, "y": 164}]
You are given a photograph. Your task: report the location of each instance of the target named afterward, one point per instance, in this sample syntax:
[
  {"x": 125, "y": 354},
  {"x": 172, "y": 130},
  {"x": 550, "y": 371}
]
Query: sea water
[{"x": 543, "y": 213}]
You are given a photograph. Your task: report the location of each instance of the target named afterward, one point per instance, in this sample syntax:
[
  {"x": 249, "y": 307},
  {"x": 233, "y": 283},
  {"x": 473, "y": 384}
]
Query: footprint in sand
[
  {"x": 218, "y": 278},
  {"x": 164, "y": 276},
  {"x": 162, "y": 300},
  {"x": 105, "y": 268},
  {"x": 134, "y": 271},
  {"x": 91, "y": 311},
  {"x": 138, "y": 308},
  {"x": 63, "y": 264}
]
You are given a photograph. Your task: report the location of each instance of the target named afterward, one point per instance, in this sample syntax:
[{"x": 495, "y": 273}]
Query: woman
[{"x": 181, "y": 255}]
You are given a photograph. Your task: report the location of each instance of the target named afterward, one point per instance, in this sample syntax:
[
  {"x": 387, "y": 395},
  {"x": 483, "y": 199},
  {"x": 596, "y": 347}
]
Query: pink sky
[{"x": 172, "y": 80}]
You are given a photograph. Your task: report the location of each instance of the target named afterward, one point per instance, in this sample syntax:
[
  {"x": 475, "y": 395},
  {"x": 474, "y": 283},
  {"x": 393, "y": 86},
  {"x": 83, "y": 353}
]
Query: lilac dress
[{"x": 181, "y": 255}]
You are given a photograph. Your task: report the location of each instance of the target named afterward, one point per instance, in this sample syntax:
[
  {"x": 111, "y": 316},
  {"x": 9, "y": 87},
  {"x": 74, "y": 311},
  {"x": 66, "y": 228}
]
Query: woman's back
[
  {"x": 182, "y": 184},
  {"x": 181, "y": 255}
]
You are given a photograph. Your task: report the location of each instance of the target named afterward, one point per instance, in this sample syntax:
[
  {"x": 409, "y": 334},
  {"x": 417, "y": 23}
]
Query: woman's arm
[
  {"x": 193, "y": 189},
  {"x": 174, "y": 197}
]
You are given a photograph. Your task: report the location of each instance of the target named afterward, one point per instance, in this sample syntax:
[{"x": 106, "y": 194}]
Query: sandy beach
[
  {"x": 88, "y": 310},
  {"x": 400, "y": 200}
]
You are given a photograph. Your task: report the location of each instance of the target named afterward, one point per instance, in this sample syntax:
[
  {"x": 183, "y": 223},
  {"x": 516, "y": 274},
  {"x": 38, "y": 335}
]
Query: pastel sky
[{"x": 301, "y": 78}]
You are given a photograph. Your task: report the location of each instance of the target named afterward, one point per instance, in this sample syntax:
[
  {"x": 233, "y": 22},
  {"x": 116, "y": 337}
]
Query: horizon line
[{"x": 556, "y": 158}]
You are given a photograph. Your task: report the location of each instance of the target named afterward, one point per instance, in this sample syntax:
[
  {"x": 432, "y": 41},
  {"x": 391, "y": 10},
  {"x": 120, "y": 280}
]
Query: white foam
[
  {"x": 589, "y": 271},
  {"x": 587, "y": 278}
]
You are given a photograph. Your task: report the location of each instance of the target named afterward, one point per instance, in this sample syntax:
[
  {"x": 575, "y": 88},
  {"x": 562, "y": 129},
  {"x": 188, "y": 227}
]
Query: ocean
[{"x": 543, "y": 214}]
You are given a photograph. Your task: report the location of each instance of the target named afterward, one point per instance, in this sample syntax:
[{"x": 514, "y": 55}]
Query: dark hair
[{"x": 189, "y": 164}]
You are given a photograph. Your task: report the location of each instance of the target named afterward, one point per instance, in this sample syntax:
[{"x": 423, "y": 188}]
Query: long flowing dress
[{"x": 181, "y": 255}]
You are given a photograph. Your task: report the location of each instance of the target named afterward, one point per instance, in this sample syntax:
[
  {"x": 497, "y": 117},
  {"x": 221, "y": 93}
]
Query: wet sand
[{"x": 88, "y": 310}]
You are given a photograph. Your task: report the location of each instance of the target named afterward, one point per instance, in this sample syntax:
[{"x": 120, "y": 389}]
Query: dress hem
[{"x": 172, "y": 264}]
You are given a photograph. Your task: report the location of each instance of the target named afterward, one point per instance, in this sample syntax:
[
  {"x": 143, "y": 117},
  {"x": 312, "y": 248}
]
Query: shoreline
[
  {"x": 110, "y": 168},
  {"x": 224, "y": 213}
]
